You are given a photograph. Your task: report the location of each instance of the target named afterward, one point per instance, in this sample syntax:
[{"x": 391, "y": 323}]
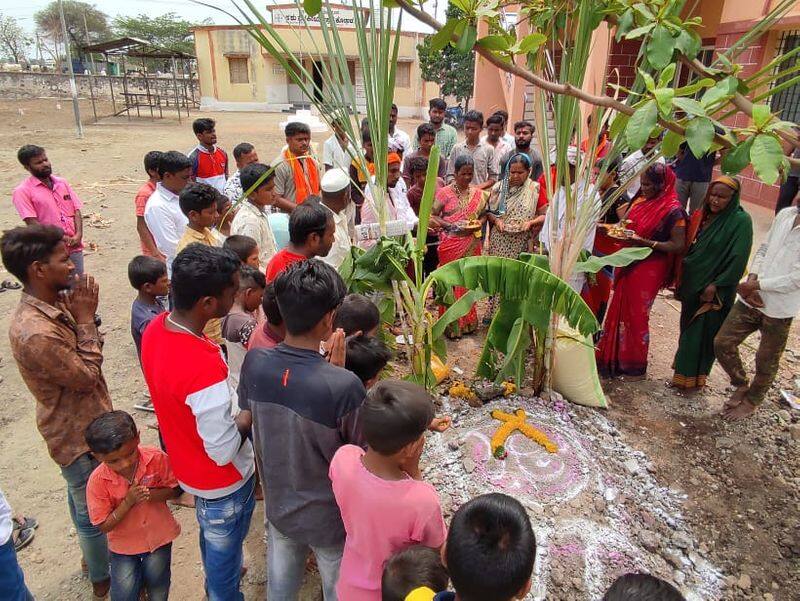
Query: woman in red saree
[
  {"x": 455, "y": 205},
  {"x": 659, "y": 222}
]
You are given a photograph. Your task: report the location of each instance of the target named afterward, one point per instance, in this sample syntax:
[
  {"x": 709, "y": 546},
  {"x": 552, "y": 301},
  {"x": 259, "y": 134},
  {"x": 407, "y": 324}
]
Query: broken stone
[
  {"x": 681, "y": 540},
  {"x": 649, "y": 540},
  {"x": 453, "y": 445},
  {"x": 784, "y": 416},
  {"x": 632, "y": 466},
  {"x": 672, "y": 558},
  {"x": 723, "y": 442},
  {"x": 469, "y": 465},
  {"x": 744, "y": 582}
]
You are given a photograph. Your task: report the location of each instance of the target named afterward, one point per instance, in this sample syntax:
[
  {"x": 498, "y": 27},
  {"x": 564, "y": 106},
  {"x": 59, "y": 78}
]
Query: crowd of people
[{"x": 265, "y": 374}]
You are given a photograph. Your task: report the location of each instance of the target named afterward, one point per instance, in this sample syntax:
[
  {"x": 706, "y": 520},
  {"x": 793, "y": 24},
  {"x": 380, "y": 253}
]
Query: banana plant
[
  {"x": 516, "y": 326},
  {"x": 382, "y": 270}
]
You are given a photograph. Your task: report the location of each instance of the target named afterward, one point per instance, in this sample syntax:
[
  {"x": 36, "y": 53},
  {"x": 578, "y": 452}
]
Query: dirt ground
[{"x": 741, "y": 481}]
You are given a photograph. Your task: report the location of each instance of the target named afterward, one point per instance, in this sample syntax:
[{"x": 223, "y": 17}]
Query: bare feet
[
  {"x": 740, "y": 411},
  {"x": 736, "y": 398}
]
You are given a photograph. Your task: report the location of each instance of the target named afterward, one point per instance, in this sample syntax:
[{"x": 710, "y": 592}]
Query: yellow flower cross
[{"x": 512, "y": 423}]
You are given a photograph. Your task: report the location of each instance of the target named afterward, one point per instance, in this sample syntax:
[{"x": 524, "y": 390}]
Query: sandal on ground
[
  {"x": 23, "y": 538},
  {"x": 24, "y": 523},
  {"x": 145, "y": 406},
  {"x": 10, "y": 285}
]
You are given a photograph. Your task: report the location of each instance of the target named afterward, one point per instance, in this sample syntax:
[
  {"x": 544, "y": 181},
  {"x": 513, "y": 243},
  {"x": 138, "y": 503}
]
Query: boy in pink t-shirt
[
  {"x": 149, "y": 247},
  {"x": 384, "y": 504},
  {"x": 126, "y": 496}
]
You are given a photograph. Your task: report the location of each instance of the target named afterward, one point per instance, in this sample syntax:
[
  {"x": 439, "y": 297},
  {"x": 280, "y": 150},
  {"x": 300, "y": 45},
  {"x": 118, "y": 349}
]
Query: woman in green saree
[{"x": 719, "y": 238}]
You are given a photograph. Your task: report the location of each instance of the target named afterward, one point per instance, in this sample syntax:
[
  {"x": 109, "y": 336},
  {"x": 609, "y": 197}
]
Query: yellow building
[{"x": 236, "y": 73}]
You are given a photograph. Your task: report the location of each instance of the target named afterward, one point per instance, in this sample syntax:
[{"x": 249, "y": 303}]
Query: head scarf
[
  {"x": 394, "y": 158},
  {"x": 648, "y": 215},
  {"x": 662, "y": 176},
  {"x": 504, "y": 184},
  {"x": 723, "y": 241}
]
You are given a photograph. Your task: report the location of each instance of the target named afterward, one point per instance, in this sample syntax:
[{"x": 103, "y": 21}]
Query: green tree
[
  {"x": 453, "y": 70},
  {"x": 13, "y": 41},
  {"x": 166, "y": 31},
  {"x": 79, "y": 17}
]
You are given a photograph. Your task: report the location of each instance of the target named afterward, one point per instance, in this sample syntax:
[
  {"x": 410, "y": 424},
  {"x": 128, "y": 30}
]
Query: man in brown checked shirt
[{"x": 58, "y": 350}]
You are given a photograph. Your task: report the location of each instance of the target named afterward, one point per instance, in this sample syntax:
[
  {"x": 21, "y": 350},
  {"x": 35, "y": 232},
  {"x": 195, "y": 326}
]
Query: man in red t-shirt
[
  {"x": 186, "y": 373},
  {"x": 311, "y": 230},
  {"x": 149, "y": 247}
]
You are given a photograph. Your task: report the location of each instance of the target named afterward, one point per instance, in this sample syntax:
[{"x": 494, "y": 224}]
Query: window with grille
[
  {"x": 685, "y": 76},
  {"x": 402, "y": 77},
  {"x": 786, "y": 103},
  {"x": 238, "y": 69}
]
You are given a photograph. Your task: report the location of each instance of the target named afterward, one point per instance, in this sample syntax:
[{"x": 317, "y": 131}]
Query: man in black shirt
[{"x": 304, "y": 408}]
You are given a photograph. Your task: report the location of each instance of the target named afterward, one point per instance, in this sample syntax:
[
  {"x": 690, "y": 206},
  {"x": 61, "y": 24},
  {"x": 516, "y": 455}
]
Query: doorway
[{"x": 316, "y": 72}]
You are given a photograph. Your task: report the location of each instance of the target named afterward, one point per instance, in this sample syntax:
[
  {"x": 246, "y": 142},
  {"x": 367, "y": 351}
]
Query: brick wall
[
  {"x": 18, "y": 85},
  {"x": 751, "y": 59},
  {"x": 622, "y": 63}
]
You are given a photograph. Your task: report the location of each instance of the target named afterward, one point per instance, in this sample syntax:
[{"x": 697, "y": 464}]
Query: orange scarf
[
  {"x": 305, "y": 182},
  {"x": 362, "y": 178}
]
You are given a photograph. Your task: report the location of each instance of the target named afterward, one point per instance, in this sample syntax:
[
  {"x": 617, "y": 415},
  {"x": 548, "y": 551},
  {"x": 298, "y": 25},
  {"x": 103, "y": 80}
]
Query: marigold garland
[
  {"x": 512, "y": 423},
  {"x": 462, "y": 391}
]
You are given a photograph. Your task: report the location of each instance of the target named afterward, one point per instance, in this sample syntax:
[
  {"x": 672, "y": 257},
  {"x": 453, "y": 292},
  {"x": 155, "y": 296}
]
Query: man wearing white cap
[{"x": 335, "y": 187}]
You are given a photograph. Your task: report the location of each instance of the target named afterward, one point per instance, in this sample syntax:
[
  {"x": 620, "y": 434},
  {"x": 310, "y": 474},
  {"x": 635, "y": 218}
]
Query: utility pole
[
  {"x": 72, "y": 85},
  {"x": 91, "y": 55},
  {"x": 39, "y": 53}
]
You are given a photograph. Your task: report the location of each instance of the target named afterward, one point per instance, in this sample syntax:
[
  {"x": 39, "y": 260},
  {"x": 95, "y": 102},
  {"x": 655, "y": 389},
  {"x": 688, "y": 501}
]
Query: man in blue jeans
[
  {"x": 12, "y": 581},
  {"x": 59, "y": 353},
  {"x": 209, "y": 450}
]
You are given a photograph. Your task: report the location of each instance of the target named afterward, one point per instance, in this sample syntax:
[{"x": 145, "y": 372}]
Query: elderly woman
[
  {"x": 514, "y": 211},
  {"x": 658, "y": 222},
  {"x": 515, "y": 214},
  {"x": 455, "y": 207},
  {"x": 719, "y": 238}
]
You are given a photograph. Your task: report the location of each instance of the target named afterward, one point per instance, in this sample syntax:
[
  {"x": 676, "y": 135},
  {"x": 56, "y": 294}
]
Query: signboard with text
[{"x": 342, "y": 17}]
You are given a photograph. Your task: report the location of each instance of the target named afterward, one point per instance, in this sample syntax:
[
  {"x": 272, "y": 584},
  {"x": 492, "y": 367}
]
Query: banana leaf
[
  {"x": 456, "y": 311},
  {"x": 377, "y": 267},
  {"x": 518, "y": 282},
  {"x": 519, "y": 340},
  {"x": 621, "y": 258}
]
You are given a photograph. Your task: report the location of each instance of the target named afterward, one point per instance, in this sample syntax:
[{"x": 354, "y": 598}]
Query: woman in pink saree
[{"x": 455, "y": 207}]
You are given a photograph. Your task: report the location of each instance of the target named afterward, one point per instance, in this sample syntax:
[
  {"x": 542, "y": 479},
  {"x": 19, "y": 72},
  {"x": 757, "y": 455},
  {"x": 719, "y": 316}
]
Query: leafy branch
[{"x": 651, "y": 105}]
